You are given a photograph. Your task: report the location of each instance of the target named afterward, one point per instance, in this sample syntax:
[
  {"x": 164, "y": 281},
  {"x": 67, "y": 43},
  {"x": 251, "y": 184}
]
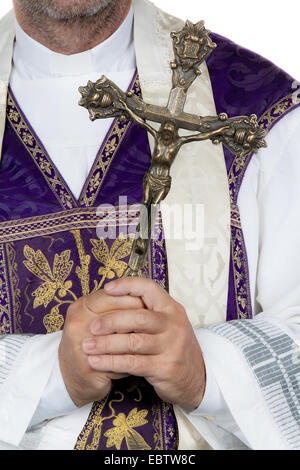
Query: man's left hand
[{"x": 156, "y": 342}]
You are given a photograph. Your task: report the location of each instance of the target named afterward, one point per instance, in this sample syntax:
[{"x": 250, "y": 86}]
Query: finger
[
  {"x": 138, "y": 365},
  {"x": 114, "y": 376},
  {"x": 133, "y": 343},
  {"x": 100, "y": 302},
  {"x": 129, "y": 321},
  {"x": 154, "y": 297}
]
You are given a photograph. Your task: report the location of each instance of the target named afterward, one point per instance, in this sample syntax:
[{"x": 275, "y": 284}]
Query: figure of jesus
[{"x": 157, "y": 181}]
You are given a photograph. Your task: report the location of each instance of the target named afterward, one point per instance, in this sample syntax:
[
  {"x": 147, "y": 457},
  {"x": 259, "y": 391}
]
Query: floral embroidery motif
[
  {"x": 4, "y": 325},
  {"x": 55, "y": 284},
  {"x": 118, "y": 426},
  {"x": 124, "y": 429},
  {"x": 240, "y": 268},
  {"x": 53, "y": 280},
  {"x": 9, "y": 299},
  {"x": 83, "y": 270},
  {"x": 111, "y": 259}
]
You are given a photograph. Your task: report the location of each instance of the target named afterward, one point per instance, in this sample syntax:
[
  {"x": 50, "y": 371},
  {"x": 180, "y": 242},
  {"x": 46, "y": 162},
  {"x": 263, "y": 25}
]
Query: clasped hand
[{"x": 131, "y": 327}]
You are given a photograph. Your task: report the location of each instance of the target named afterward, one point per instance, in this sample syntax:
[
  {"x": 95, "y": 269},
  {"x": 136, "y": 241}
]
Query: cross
[{"x": 241, "y": 135}]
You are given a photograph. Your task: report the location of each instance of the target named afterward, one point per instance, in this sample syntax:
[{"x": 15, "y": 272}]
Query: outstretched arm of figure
[
  {"x": 202, "y": 136},
  {"x": 138, "y": 119}
]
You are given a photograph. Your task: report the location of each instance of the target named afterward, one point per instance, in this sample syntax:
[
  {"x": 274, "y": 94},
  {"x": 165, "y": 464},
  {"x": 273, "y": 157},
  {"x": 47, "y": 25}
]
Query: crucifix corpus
[{"x": 241, "y": 135}]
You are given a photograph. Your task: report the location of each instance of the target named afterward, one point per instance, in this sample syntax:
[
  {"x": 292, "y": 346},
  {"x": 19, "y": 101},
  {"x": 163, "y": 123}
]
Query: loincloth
[{"x": 158, "y": 183}]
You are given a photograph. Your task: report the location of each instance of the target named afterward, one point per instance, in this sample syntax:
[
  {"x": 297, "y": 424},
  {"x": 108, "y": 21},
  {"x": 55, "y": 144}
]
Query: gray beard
[{"x": 53, "y": 8}]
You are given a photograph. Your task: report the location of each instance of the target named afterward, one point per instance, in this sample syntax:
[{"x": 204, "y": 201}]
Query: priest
[{"x": 201, "y": 353}]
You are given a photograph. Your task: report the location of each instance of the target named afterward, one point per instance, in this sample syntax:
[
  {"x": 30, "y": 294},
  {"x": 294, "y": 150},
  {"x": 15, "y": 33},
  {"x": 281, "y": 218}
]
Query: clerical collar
[{"x": 33, "y": 60}]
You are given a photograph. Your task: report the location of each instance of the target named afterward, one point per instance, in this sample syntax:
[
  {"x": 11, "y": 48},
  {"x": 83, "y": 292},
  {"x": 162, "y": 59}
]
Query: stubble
[{"x": 70, "y": 26}]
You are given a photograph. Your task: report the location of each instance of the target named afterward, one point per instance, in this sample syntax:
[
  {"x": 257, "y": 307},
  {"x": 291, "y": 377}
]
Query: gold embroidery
[
  {"x": 53, "y": 280},
  {"x": 83, "y": 270},
  {"x": 6, "y": 315},
  {"x": 124, "y": 429},
  {"x": 279, "y": 109},
  {"x": 74, "y": 219},
  {"x": 39, "y": 155},
  {"x": 5, "y": 326},
  {"x": 157, "y": 426},
  {"x": 111, "y": 259},
  {"x": 240, "y": 271},
  {"x": 53, "y": 321},
  {"x": 106, "y": 155},
  {"x": 267, "y": 120},
  {"x": 235, "y": 177},
  {"x": 103, "y": 163},
  {"x": 93, "y": 427},
  {"x": 12, "y": 267}
]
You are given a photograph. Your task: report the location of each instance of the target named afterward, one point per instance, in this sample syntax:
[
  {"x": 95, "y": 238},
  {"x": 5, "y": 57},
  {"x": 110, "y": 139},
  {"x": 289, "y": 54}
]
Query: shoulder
[{"x": 243, "y": 82}]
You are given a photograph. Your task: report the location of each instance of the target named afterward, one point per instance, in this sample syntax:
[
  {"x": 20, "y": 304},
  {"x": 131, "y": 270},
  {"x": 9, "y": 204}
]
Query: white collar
[{"x": 33, "y": 60}]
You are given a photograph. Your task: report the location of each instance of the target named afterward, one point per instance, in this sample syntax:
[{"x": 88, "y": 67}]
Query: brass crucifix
[{"x": 241, "y": 135}]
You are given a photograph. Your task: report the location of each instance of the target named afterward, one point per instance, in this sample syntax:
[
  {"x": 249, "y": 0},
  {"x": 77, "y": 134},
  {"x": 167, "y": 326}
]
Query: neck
[{"x": 74, "y": 35}]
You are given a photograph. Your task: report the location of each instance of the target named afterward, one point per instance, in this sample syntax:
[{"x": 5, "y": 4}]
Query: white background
[{"x": 269, "y": 27}]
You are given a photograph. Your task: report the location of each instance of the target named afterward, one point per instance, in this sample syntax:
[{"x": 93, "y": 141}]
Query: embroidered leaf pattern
[
  {"x": 44, "y": 294},
  {"x": 37, "y": 263},
  {"x": 135, "y": 441},
  {"x": 137, "y": 418},
  {"x": 121, "y": 247},
  {"x": 124, "y": 429},
  {"x": 62, "y": 266},
  {"x": 100, "y": 251},
  {"x": 53, "y": 321},
  {"x": 112, "y": 259}
]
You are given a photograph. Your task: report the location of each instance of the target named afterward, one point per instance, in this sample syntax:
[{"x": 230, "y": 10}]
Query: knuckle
[
  {"x": 181, "y": 335},
  {"x": 74, "y": 320},
  {"x": 73, "y": 309},
  {"x": 105, "y": 344},
  {"x": 181, "y": 310},
  {"x": 113, "y": 362},
  {"x": 132, "y": 363},
  {"x": 108, "y": 323},
  {"x": 135, "y": 342},
  {"x": 182, "y": 326},
  {"x": 142, "y": 318}
]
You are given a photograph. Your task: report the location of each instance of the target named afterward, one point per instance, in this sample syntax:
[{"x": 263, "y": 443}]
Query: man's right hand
[{"x": 83, "y": 384}]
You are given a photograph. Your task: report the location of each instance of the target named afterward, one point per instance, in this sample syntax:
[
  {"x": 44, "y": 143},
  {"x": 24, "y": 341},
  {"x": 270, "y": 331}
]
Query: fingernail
[
  {"x": 110, "y": 286},
  {"x": 96, "y": 327},
  {"x": 89, "y": 345}
]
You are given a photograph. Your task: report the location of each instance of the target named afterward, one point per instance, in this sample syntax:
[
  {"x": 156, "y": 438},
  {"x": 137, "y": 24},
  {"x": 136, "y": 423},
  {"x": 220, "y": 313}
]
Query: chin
[{"x": 65, "y": 9}]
